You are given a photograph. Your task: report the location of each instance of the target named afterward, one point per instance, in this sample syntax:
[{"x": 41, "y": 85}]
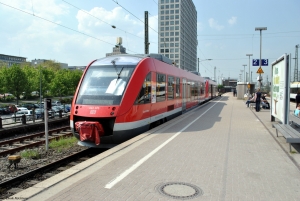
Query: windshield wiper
[
  {"x": 115, "y": 66},
  {"x": 120, "y": 73}
]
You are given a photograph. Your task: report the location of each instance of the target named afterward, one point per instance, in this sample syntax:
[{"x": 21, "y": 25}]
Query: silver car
[{"x": 18, "y": 115}]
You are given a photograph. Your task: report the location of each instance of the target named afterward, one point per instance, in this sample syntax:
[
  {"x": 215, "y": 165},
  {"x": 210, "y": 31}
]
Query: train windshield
[{"x": 105, "y": 84}]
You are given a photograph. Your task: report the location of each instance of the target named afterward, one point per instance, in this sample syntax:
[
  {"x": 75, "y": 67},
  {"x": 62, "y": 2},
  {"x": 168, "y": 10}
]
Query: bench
[
  {"x": 252, "y": 105},
  {"x": 291, "y": 135}
]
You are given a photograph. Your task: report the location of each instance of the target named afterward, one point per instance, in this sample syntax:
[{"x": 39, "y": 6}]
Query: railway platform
[{"x": 221, "y": 150}]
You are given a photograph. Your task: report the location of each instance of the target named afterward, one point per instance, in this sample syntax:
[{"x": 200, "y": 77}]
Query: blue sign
[
  {"x": 264, "y": 62},
  {"x": 255, "y": 62}
]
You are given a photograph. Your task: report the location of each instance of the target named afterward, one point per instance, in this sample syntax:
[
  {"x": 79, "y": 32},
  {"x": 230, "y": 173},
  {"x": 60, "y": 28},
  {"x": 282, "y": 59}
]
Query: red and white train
[{"x": 121, "y": 96}]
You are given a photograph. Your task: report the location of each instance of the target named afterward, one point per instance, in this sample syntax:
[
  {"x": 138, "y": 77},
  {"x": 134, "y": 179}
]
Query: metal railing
[{"x": 24, "y": 119}]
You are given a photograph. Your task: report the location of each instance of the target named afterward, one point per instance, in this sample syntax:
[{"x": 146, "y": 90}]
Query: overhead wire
[
  {"x": 62, "y": 25},
  {"x": 155, "y": 2},
  {"x": 153, "y": 15},
  {"x": 101, "y": 19},
  {"x": 134, "y": 15}
]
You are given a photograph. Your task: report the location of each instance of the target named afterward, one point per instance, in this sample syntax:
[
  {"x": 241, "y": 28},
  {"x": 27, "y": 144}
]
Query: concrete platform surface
[{"x": 219, "y": 151}]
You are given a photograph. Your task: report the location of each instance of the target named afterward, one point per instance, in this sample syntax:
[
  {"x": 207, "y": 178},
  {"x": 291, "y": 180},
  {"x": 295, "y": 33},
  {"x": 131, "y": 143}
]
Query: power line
[
  {"x": 61, "y": 25},
  {"x": 133, "y": 15},
  {"x": 152, "y": 15},
  {"x": 155, "y": 2},
  {"x": 102, "y": 20}
]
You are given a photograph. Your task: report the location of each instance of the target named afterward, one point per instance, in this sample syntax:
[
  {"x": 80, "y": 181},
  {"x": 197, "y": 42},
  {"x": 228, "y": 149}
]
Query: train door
[{"x": 183, "y": 94}]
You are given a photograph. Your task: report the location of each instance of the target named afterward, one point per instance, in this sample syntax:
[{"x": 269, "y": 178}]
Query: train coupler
[{"x": 89, "y": 131}]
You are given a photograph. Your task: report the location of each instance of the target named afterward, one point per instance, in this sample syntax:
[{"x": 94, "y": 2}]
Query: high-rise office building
[{"x": 178, "y": 32}]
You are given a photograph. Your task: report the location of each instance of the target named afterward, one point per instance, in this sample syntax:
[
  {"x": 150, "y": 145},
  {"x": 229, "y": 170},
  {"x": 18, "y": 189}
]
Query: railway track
[
  {"x": 32, "y": 140},
  {"x": 23, "y": 181}
]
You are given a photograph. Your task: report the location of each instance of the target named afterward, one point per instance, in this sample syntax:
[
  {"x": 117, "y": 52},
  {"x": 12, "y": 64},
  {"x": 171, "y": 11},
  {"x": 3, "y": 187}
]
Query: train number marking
[
  {"x": 92, "y": 111},
  {"x": 94, "y": 108}
]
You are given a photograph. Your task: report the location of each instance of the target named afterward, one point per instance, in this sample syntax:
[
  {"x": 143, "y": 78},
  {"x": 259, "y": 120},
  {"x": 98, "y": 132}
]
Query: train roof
[
  {"x": 136, "y": 58},
  {"x": 152, "y": 55}
]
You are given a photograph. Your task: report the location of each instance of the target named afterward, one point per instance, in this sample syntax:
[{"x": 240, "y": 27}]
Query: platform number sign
[
  {"x": 264, "y": 62},
  {"x": 255, "y": 62}
]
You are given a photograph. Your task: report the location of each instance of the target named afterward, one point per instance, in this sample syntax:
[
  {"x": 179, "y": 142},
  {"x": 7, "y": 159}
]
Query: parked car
[
  {"x": 18, "y": 115},
  {"x": 21, "y": 108},
  {"x": 39, "y": 113},
  {"x": 1, "y": 110},
  {"x": 4, "y": 110},
  {"x": 30, "y": 106},
  {"x": 12, "y": 108},
  {"x": 68, "y": 107},
  {"x": 56, "y": 103}
]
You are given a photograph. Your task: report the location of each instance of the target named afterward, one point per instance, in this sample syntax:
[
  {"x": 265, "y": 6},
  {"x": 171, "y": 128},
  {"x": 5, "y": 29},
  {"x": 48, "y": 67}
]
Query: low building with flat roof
[{"x": 10, "y": 60}]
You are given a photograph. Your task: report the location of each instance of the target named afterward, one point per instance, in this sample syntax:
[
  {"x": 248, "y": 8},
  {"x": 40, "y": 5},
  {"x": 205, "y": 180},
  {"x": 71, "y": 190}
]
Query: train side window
[
  {"x": 177, "y": 88},
  {"x": 188, "y": 90},
  {"x": 202, "y": 88},
  {"x": 192, "y": 90},
  {"x": 160, "y": 87},
  {"x": 171, "y": 87},
  {"x": 144, "y": 96}
]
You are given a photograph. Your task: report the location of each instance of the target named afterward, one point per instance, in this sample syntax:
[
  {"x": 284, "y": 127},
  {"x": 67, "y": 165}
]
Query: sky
[{"x": 77, "y": 32}]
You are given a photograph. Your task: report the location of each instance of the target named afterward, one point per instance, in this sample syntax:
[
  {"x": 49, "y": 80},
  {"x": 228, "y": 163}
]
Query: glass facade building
[{"x": 178, "y": 32}]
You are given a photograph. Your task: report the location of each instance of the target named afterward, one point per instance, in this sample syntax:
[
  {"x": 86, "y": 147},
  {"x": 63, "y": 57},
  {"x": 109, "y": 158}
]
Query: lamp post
[
  {"x": 201, "y": 61},
  {"x": 249, "y": 67},
  {"x": 244, "y": 72},
  {"x": 260, "y": 29}
]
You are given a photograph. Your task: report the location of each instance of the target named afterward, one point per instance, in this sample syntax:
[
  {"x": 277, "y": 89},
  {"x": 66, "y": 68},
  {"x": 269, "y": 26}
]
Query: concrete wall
[{"x": 242, "y": 89}]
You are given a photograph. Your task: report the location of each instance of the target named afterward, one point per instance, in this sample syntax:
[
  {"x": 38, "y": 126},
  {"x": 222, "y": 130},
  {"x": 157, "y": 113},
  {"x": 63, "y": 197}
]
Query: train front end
[{"x": 98, "y": 98}]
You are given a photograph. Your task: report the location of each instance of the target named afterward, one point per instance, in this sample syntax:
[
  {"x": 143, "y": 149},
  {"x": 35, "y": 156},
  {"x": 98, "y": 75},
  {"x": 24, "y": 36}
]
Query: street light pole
[
  {"x": 260, "y": 29},
  {"x": 249, "y": 67},
  {"x": 244, "y": 72}
]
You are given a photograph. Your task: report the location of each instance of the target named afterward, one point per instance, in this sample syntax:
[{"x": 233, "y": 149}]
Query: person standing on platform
[
  {"x": 297, "y": 111},
  {"x": 257, "y": 98},
  {"x": 297, "y": 99}
]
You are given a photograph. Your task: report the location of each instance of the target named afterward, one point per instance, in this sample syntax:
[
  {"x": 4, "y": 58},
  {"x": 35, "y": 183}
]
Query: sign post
[{"x": 47, "y": 106}]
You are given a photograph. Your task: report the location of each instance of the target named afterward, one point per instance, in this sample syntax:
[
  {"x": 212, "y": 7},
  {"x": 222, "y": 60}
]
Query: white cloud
[
  {"x": 32, "y": 37},
  {"x": 214, "y": 24},
  {"x": 199, "y": 26},
  {"x": 232, "y": 20},
  {"x": 99, "y": 22}
]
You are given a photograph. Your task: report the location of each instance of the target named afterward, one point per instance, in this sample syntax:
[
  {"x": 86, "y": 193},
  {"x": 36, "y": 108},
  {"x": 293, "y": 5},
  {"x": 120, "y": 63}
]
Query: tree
[
  {"x": 75, "y": 77},
  {"x": 32, "y": 77},
  {"x": 60, "y": 84},
  {"x": 53, "y": 65},
  {"x": 2, "y": 85},
  {"x": 15, "y": 80}
]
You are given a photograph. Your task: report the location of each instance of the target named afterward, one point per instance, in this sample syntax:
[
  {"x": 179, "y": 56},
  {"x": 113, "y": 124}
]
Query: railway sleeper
[
  {"x": 5, "y": 148},
  {"x": 28, "y": 142},
  {"x": 18, "y": 144},
  {"x": 58, "y": 134}
]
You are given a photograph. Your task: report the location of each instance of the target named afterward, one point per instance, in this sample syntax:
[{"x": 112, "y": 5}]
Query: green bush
[{"x": 30, "y": 153}]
